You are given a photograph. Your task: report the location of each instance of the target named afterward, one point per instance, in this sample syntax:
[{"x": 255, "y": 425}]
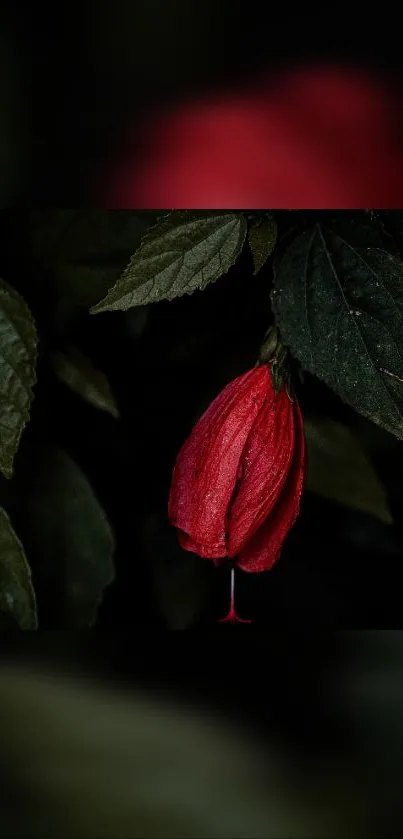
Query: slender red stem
[{"x": 232, "y": 616}]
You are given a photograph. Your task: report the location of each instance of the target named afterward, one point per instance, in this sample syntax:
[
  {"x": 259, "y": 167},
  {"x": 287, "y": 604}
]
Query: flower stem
[{"x": 232, "y": 616}]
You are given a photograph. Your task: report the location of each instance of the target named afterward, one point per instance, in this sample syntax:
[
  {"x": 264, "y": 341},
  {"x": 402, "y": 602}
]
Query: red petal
[
  {"x": 264, "y": 549},
  {"x": 318, "y": 137},
  {"x": 207, "y": 467},
  {"x": 207, "y": 551},
  {"x": 266, "y": 462}
]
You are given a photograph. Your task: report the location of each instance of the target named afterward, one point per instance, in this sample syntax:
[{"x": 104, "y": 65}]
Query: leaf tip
[
  {"x": 95, "y": 310},
  {"x": 7, "y": 470},
  {"x": 386, "y": 516}
]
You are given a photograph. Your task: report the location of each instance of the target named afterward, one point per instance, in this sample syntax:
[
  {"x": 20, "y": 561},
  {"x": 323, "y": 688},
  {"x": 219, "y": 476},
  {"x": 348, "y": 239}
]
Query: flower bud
[{"x": 239, "y": 477}]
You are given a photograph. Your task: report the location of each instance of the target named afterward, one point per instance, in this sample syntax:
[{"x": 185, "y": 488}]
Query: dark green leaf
[
  {"x": 68, "y": 537},
  {"x": 184, "y": 252},
  {"x": 18, "y": 355},
  {"x": 262, "y": 239},
  {"x": 338, "y": 302},
  {"x": 78, "y": 373},
  {"x": 183, "y": 583},
  {"x": 339, "y": 469},
  {"x": 17, "y": 596},
  {"x": 183, "y": 590}
]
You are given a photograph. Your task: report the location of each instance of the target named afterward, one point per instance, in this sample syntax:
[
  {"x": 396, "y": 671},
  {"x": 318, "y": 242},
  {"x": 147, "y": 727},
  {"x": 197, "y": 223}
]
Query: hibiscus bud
[{"x": 239, "y": 477}]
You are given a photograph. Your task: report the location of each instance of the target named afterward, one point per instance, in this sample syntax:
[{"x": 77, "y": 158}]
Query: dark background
[{"x": 79, "y": 80}]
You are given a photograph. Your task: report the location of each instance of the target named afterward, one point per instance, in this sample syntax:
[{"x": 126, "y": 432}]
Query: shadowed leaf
[
  {"x": 17, "y": 596},
  {"x": 77, "y": 372},
  {"x": 338, "y": 301},
  {"x": 339, "y": 469},
  {"x": 183, "y": 583},
  {"x": 262, "y": 239},
  {"x": 18, "y": 355},
  {"x": 68, "y": 538},
  {"x": 183, "y": 591}
]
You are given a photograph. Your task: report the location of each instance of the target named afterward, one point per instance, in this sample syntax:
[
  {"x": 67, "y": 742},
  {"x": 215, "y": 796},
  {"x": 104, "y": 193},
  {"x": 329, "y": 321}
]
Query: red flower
[
  {"x": 320, "y": 136},
  {"x": 238, "y": 479}
]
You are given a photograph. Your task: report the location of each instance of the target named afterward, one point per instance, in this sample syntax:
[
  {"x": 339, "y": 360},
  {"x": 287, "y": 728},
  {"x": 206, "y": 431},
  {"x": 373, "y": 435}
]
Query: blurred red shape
[{"x": 318, "y": 137}]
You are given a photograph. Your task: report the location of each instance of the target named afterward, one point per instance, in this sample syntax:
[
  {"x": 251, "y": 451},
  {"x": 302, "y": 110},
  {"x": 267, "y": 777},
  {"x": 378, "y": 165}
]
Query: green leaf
[
  {"x": 18, "y": 356},
  {"x": 182, "y": 591},
  {"x": 184, "y": 252},
  {"x": 262, "y": 239},
  {"x": 79, "y": 254},
  {"x": 340, "y": 470},
  {"x": 77, "y": 372},
  {"x": 17, "y": 596},
  {"x": 338, "y": 301},
  {"x": 68, "y": 537}
]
